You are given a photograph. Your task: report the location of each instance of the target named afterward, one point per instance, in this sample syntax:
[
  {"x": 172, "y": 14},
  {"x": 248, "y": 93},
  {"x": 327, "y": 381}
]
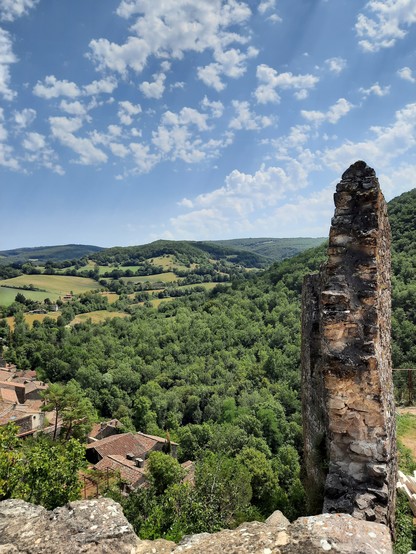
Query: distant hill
[
  {"x": 187, "y": 252},
  {"x": 251, "y": 252},
  {"x": 48, "y": 253},
  {"x": 273, "y": 249}
]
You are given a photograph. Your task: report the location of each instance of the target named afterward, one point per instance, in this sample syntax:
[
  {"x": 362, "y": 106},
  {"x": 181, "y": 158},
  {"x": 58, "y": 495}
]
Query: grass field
[
  {"x": 97, "y": 317},
  {"x": 7, "y": 295},
  {"x": 168, "y": 277},
  {"x": 168, "y": 262},
  {"x": 207, "y": 286},
  {"x": 155, "y": 302},
  {"x": 54, "y": 285},
  {"x": 111, "y": 296},
  {"x": 30, "y": 318}
]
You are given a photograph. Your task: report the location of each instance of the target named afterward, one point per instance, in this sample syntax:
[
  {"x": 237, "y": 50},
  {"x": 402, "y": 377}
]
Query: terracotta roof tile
[
  {"x": 119, "y": 445},
  {"x": 156, "y": 438},
  {"x": 5, "y": 375},
  {"x": 9, "y": 395},
  {"x": 128, "y": 471},
  {"x": 9, "y": 384},
  {"x": 35, "y": 385}
]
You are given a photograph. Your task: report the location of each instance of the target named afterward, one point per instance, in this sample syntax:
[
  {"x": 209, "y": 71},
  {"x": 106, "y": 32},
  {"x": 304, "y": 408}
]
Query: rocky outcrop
[
  {"x": 348, "y": 406},
  {"x": 99, "y": 527}
]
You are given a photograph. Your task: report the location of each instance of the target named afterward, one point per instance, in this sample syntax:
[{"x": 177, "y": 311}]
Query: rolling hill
[{"x": 47, "y": 253}]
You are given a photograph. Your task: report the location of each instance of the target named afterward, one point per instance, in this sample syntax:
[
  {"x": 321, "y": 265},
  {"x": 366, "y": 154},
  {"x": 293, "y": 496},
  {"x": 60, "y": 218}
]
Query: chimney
[
  {"x": 139, "y": 462},
  {"x": 130, "y": 456}
]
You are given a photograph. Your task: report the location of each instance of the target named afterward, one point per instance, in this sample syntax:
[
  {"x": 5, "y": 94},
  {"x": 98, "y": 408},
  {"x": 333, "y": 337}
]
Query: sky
[{"x": 126, "y": 121}]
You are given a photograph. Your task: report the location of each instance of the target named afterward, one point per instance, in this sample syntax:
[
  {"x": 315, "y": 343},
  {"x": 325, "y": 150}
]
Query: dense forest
[{"x": 220, "y": 371}]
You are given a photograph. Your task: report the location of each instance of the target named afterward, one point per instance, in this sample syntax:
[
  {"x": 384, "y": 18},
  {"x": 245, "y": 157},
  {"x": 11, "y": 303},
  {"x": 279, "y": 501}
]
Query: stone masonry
[{"x": 348, "y": 405}]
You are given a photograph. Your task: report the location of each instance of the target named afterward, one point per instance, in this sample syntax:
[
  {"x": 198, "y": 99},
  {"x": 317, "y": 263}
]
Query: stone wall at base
[
  {"x": 348, "y": 404},
  {"x": 99, "y": 527}
]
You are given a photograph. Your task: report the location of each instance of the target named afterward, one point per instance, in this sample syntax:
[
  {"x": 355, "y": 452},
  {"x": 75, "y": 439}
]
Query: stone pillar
[{"x": 348, "y": 405}]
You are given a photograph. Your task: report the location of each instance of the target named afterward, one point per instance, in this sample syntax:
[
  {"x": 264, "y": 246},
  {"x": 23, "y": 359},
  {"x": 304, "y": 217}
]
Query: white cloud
[
  {"x": 297, "y": 137},
  {"x": 386, "y": 143},
  {"x": 266, "y": 5},
  {"x": 12, "y": 9},
  {"x": 386, "y": 23},
  {"x": 187, "y": 116},
  {"x": 216, "y": 107},
  {"x": 333, "y": 115},
  {"x": 311, "y": 213},
  {"x": 6, "y": 157},
  {"x": 154, "y": 89},
  {"x": 205, "y": 223},
  {"x": 397, "y": 179},
  {"x": 270, "y": 81},
  {"x": 182, "y": 136},
  {"x": 336, "y": 65},
  {"x": 6, "y": 59},
  {"x": 24, "y": 118},
  {"x": 39, "y": 153},
  {"x": 63, "y": 129},
  {"x": 406, "y": 74},
  {"x": 242, "y": 203},
  {"x": 375, "y": 89},
  {"x": 34, "y": 142},
  {"x": 126, "y": 112},
  {"x": 103, "y": 86},
  {"x": 73, "y": 108},
  {"x": 169, "y": 28},
  {"x": 118, "y": 149},
  {"x": 244, "y": 193},
  {"x": 210, "y": 75},
  {"x": 245, "y": 119},
  {"x": 230, "y": 63},
  {"x": 3, "y": 133},
  {"x": 53, "y": 88},
  {"x": 143, "y": 158}
]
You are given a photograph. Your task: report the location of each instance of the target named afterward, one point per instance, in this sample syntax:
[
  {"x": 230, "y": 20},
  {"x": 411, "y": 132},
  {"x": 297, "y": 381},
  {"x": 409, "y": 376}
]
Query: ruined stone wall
[{"x": 348, "y": 405}]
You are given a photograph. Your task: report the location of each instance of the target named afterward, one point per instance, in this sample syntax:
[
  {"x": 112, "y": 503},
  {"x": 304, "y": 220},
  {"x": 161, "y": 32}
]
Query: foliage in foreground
[
  {"x": 224, "y": 492},
  {"x": 39, "y": 470}
]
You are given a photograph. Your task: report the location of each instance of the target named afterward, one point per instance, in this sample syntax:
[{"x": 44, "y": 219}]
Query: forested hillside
[
  {"x": 219, "y": 370},
  {"x": 47, "y": 253},
  {"x": 273, "y": 249}
]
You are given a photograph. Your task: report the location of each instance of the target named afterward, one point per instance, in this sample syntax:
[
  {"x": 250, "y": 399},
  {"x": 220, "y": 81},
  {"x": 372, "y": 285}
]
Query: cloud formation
[
  {"x": 270, "y": 81},
  {"x": 168, "y": 29},
  {"x": 13, "y": 9},
  {"x": 387, "y": 22}
]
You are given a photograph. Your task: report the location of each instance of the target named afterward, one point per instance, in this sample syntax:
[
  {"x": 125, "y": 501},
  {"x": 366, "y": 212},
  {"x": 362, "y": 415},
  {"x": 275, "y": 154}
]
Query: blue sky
[{"x": 124, "y": 121}]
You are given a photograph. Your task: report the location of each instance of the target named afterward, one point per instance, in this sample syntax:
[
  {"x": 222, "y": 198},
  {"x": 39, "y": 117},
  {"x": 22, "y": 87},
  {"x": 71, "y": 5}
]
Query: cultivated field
[
  {"x": 52, "y": 286},
  {"x": 111, "y": 296},
  {"x": 30, "y": 318},
  {"x": 7, "y": 295},
  {"x": 168, "y": 277},
  {"x": 207, "y": 286},
  {"x": 97, "y": 317}
]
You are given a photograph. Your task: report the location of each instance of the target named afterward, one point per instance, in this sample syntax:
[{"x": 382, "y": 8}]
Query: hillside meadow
[{"x": 49, "y": 286}]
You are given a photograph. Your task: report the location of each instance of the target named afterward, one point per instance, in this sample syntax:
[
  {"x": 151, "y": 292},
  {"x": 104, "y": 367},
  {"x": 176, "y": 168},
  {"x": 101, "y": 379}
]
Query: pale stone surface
[
  {"x": 93, "y": 526},
  {"x": 348, "y": 405},
  {"x": 99, "y": 527}
]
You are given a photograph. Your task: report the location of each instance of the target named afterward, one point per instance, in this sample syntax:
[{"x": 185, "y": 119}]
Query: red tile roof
[
  {"x": 127, "y": 468},
  {"x": 9, "y": 384},
  {"x": 98, "y": 427},
  {"x": 9, "y": 395},
  {"x": 119, "y": 445},
  {"x": 151, "y": 440},
  {"x": 5, "y": 375},
  {"x": 35, "y": 385}
]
